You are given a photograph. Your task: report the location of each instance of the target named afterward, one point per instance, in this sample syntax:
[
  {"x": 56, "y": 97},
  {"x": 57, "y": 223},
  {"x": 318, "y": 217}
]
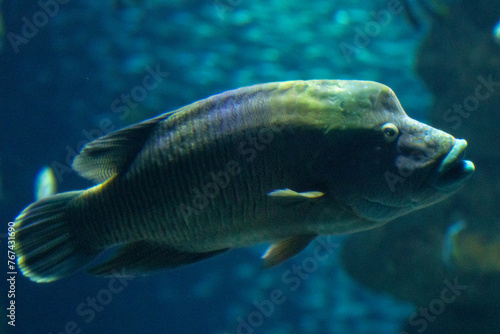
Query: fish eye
[{"x": 390, "y": 132}]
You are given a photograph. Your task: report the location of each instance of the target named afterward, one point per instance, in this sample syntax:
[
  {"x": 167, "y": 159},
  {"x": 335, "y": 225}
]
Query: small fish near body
[{"x": 279, "y": 162}]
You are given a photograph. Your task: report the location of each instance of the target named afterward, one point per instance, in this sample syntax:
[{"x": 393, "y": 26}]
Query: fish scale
[{"x": 177, "y": 182}]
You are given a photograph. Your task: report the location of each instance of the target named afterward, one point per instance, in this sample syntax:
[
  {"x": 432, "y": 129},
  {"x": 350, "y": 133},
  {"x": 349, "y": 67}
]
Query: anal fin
[
  {"x": 143, "y": 257},
  {"x": 285, "y": 249}
]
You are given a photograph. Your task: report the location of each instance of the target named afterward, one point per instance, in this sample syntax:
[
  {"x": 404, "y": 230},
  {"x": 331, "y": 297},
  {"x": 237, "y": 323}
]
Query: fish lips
[{"x": 453, "y": 170}]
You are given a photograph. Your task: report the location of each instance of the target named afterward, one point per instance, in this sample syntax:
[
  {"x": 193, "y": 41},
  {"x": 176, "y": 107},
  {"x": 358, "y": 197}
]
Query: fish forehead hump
[
  {"x": 315, "y": 104},
  {"x": 321, "y": 104},
  {"x": 336, "y": 104}
]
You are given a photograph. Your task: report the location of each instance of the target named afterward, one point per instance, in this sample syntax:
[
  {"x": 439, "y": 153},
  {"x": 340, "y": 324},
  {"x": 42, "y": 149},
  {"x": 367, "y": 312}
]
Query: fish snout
[{"x": 453, "y": 170}]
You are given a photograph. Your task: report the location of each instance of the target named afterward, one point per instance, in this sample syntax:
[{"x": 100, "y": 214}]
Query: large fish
[{"x": 279, "y": 162}]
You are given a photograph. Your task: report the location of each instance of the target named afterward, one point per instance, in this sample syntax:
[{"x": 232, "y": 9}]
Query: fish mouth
[{"x": 454, "y": 170}]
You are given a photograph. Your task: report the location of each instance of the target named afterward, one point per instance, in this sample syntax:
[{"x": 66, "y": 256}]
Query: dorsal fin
[{"x": 107, "y": 156}]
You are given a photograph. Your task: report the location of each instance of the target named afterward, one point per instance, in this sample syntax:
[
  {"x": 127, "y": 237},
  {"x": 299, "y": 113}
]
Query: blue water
[{"x": 81, "y": 73}]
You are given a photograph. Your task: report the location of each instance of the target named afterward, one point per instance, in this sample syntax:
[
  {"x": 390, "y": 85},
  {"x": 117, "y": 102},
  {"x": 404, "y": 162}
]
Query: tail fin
[{"x": 45, "y": 247}]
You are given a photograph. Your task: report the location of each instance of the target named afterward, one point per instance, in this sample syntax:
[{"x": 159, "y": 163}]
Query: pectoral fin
[
  {"x": 285, "y": 249},
  {"x": 290, "y": 193}
]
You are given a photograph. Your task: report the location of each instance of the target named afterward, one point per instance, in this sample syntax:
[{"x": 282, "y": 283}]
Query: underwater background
[{"x": 71, "y": 71}]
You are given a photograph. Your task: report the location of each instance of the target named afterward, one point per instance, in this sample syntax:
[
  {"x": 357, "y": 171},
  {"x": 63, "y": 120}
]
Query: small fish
[
  {"x": 471, "y": 251},
  {"x": 45, "y": 183},
  {"x": 496, "y": 33},
  {"x": 280, "y": 162},
  {"x": 417, "y": 11},
  {"x": 450, "y": 242}
]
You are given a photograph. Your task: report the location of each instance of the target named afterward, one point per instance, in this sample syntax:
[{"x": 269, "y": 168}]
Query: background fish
[
  {"x": 280, "y": 162},
  {"x": 45, "y": 183},
  {"x": 469, "y": 251}
]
